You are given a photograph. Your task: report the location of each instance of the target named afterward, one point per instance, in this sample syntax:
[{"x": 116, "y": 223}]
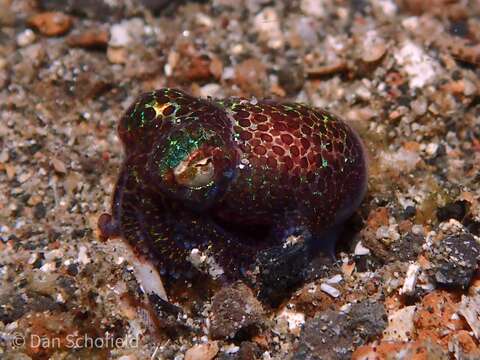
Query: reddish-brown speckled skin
[
  {"x": 295, "y": 161},
  {"x": 288, "y": 166}
]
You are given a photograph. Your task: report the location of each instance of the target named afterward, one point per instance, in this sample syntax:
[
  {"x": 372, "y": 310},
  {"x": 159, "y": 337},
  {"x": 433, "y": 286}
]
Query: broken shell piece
[
  {"x": 411, "y": 279},
  {"x": 470, "y": 310},
  {"x": 361, "y": 250},
  {"x": 400, "y": 325},
  {"x": 330, "y": 290}
]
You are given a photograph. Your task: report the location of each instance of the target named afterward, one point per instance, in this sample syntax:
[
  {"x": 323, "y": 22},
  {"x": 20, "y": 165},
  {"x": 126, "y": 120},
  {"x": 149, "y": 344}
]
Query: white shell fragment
[
  {"x": 330, "y": 290},
  {"x": 470, "y": 310},
  {"x": 410, "y": 279}
]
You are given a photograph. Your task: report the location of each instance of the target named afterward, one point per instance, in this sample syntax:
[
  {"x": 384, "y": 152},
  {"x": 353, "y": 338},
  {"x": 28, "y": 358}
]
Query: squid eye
[{"x": 195, "y": 174}]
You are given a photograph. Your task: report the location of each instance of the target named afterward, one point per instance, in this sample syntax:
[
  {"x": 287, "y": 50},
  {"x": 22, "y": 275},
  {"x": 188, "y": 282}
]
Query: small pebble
[
  {"x": 454, "y": 260},
  {"x": 205, "y": 351},
  {"x": 235, "y": 310},
  {"x": 40, "y": 211},
  {"x": 119, "y": 35},
  {"x": 373, "y": 47},
  {"x": 117, "y": 55},
  {"x": 26, "y": 38},
  {"x": 251, "y": 76},
  {"x": 421, "y": 68},
  {"x": 59, "y": 166},
  {"x": 267, "y": 24},
  {"x": 431, "y": 149},
  {"x": 330, "y": 290},
  {"x": 314, "y": 8},
  {"x": 361, "y": 250},
  {"x": 419, "y": 106},
  {"x": 89, "y": 39},
  {"x": 51, "y": 23},
  {"x": 211, "y": 90}
]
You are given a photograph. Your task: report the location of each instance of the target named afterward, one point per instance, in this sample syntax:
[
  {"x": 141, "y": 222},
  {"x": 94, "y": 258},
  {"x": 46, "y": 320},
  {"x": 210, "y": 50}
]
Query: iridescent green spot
[
  {"x": 132, "y": 121},
  {"x": 235, "y": 106},
  {"x": 139, "y": 117},
  {"x": 179, "y": 148},
  {"x": 325, "y": 118},
  {"x": 324, "y": 163}
]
